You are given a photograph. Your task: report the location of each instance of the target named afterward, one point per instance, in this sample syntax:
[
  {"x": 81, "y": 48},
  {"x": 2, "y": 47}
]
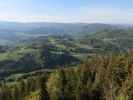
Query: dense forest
[{"x": 101, "y": 77}]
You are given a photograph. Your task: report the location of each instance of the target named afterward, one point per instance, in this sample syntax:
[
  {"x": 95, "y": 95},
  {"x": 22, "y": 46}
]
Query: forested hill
[
  {"x": 98, "y": 78},
  {"x": 58, "y": 61},
  {"x": 34, "y": 51}
]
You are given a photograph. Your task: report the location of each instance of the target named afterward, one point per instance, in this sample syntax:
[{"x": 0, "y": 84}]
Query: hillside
[{"x": 98, "y": 78}]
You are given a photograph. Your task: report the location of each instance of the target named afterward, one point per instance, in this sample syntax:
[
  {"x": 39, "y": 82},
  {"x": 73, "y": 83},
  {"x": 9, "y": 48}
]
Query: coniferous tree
[{"x": 43, "y": 91}]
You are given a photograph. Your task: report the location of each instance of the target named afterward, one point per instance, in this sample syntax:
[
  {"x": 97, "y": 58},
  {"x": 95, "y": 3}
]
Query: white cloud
[
  {"x": 84, "y": 15},
  {"x": 107, "y": 15}
]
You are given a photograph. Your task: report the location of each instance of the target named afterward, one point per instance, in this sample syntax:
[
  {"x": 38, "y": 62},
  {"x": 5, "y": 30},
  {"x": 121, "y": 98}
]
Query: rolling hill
[{"x": 34, "y": 46}]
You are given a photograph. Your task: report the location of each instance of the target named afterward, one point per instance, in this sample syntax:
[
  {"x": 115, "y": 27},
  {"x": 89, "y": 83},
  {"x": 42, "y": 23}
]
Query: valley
[
  {"x": 58, "y": 61},
  {"x": 34, "y": 51}
]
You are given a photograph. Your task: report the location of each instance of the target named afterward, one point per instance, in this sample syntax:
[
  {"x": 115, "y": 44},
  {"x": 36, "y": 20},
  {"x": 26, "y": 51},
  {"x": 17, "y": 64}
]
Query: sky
[{"x": 88, "y": 11}]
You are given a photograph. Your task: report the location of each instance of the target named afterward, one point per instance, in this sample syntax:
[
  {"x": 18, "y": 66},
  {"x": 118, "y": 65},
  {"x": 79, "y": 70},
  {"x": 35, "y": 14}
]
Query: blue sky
[{"x": 89, "y": 11}]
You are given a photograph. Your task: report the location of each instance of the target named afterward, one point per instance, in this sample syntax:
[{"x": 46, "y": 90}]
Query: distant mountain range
[
  {"x": 11, "y": 32},
  {"x": 59, "y": 27}
]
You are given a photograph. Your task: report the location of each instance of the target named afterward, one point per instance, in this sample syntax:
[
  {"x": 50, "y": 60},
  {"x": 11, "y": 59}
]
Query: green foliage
[
  {"x": 98, "y": 78},
  {"x": 54, "y": 85}
]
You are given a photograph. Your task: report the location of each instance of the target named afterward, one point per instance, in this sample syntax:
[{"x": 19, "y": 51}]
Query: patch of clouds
[{"x": 87, "y": 15}]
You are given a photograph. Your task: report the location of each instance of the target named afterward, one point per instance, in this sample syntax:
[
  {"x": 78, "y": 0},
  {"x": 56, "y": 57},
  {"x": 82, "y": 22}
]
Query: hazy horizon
[{"x": 67, "y": 11}]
